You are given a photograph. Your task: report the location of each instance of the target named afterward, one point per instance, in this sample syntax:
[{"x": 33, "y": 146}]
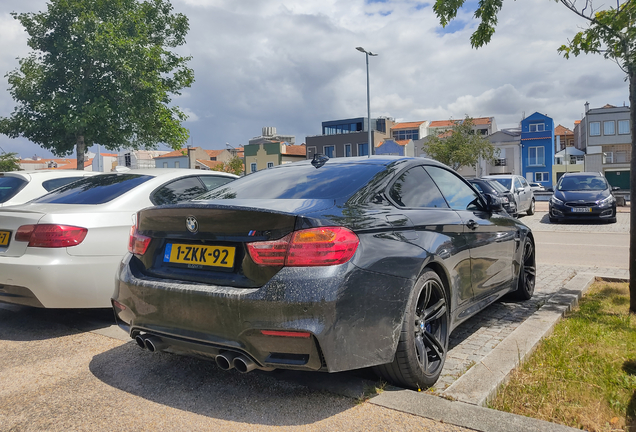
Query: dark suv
[{"x": 583, "y": 196}]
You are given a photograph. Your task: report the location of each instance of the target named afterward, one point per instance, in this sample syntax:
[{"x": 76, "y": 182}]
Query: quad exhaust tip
[
  {"x": 225, "y": 360},
  {"x": 151, "y": 343},
  {"x": 243, "y": 364}
]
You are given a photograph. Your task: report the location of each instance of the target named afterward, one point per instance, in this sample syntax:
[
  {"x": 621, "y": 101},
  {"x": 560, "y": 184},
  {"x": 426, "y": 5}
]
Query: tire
[
  {"x": 423, "y": 343},
  {"x": 527, "y": 272},
  {"x": 531, "y": 209}
]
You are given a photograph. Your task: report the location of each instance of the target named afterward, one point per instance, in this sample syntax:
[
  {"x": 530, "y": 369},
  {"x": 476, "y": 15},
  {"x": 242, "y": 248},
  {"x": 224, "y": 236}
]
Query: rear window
[
  {"x": 49, "y": 185},
  {"x": 97, "y": 189},
  {"x": 10, "y": 186},
  {"x": 497, "y": 186},
  {"x": 506, "y": 182},
  {"x": 298, "y": 182}
]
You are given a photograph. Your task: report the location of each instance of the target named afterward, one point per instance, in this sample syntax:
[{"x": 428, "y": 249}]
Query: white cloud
[{"x": 293, "y": 64}]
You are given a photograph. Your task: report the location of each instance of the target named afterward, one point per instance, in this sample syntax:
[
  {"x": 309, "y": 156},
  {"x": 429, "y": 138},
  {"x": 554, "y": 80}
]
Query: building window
[
  {"x": 621, "y": 157},
  {"x": 329, "y": 151},
  {"x": 536, "y": 156},
  {"x": 347, "y": 150},
  {"x": 270, "y": 164},
  {"x": 609, "y": 128},
  {"x": 127, "y": 160},
  {"x": 537, "y": 127},
  {"x": 608, "y": 157},
  {"x": 165, "y": 164},
  {"x": 176, "y": 164},
  {"x": 253, "y": 167},
  {"x": 363, "y": 149},
  {"x": 541, "y": 177},
  {"x": 406, "y": 134},
  {"x": 595, "y": 128},
  {"x": 623, "y": 127}
]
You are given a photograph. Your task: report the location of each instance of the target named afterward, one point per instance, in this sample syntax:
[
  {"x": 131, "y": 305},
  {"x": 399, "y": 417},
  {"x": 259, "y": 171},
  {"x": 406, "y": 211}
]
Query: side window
[
  {"x": 183, "y": 189},
  {"x": 524, "y": 183},
  {"x": 212, "y": 182},
  {"x": 457, "y": 193},
  {"x": 517, "y": 183},
  {"x": 414, "y": 188},
  {"x": 49, "y": 185}
]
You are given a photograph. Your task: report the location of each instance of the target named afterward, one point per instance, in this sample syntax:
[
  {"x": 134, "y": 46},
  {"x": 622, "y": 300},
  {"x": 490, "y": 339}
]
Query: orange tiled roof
[
  {"x": 407, "y": 125},
  {"x": 210, "y": 163},
  {"x": 402, "y": 142},
  {"x": 73, "y": 164},
  {"x": 442, "y": 123},
  {"x": 213, "y": 153},
  {"x": 175, "y": 153},
  {"x": 562, "y": 130},
  {"x": 476, "y": 121},
  {"x": 295, "y": 150}
]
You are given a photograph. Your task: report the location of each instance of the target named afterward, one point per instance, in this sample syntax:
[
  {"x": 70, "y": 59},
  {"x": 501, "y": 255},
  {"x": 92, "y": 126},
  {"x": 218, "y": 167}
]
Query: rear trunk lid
[
  {"x": 10, "y": 221},
  {"x": 207, "y": 243}
]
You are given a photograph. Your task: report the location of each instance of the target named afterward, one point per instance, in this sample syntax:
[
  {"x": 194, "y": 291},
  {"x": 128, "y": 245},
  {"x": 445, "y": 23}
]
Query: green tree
[
  {"x": 234, "y": 166},
  {"x": 460, "y": 146},
  {"x": 100, "y": 73},
  {"x": 9, "y": 162},
  {"x": 611, "y": 32}
]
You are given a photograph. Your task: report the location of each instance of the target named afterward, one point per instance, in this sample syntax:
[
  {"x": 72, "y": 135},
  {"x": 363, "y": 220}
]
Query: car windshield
[
  {"x": 97, "y": 189},
  {"x": 9, "y": 186},
  {"x": 302, "y": 181},
  {"x": 582, "y": 183},
  {"x": 505, "y": 182}
]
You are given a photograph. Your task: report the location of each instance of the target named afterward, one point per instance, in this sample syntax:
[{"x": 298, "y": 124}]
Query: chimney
[{"x": 587, "y": 107}]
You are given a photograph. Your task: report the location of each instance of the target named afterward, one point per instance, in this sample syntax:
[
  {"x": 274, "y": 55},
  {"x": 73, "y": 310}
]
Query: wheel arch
[{"x": 443, "y": 275}]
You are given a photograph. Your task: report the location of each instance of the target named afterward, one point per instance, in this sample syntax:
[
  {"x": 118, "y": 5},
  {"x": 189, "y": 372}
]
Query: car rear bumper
[
  {"x": 351, "y": 318},
  {"x": 51, "y": 278}
]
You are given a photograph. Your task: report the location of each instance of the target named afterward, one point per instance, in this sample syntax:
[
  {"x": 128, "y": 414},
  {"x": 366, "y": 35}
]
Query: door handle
[{"x": 472, "y": 224}]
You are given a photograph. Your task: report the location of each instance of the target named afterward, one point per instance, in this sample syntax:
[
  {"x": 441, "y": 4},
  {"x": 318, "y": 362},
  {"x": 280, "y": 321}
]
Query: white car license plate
[{"x": 581, "y": 210}]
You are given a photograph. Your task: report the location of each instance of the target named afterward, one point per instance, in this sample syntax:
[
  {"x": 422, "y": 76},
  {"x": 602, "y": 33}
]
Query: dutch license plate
[
  {"x": 211, "y": 256},
  {"x": 4, "y": 238},
  {"x": 581, "y": 210}
]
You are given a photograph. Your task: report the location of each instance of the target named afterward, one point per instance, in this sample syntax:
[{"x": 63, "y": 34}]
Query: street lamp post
[{"x": 367, "y": 54}]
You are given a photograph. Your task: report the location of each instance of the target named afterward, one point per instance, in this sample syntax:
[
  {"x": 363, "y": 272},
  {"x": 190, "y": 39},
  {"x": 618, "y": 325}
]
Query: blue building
[{"x": 537, "y": 148}]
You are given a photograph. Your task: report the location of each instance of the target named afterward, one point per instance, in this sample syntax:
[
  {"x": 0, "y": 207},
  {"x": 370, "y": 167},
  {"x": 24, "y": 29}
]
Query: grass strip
[{"x": 584, "y": 374}]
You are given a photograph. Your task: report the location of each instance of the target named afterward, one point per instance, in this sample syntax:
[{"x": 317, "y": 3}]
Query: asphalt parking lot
[{"x": 68, "y": 370}]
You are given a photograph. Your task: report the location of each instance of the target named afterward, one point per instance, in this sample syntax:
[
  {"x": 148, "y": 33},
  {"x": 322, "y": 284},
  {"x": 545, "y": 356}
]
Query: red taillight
[
  {"x": 310, "y": 247},
  {"x": 138, "y": 243},
  {"x": 51, "y": 236}
]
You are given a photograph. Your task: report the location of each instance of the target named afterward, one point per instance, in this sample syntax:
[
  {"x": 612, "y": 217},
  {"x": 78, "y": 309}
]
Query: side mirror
[{"x": 493, "y": 203}]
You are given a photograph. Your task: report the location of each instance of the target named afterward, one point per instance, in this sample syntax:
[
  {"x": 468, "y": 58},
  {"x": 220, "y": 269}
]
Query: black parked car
[
  {"x": 495, "y": 188},
  {"x": 583, "y": 196},
  {"x": 323, "y": 265}
]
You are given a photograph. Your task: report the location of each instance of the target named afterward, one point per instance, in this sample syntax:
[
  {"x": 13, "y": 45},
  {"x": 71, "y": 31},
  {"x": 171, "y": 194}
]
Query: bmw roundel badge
[{"x": 191, "y": 224}]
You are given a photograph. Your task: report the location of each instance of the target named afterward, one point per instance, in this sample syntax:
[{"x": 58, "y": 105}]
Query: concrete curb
[
  {"x": 481, "y": 382},
  {"x": 462, "y": 414}
]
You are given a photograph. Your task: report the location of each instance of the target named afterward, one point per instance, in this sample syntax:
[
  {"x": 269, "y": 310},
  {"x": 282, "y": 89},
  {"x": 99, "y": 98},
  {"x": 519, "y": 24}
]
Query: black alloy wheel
[
  {"x": 527, "y": 272},
  {"x": 423, "y": 344}
]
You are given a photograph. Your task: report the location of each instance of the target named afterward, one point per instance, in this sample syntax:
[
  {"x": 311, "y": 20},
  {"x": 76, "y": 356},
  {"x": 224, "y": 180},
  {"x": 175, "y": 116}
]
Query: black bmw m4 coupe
[{"x": 324, "y": 265}]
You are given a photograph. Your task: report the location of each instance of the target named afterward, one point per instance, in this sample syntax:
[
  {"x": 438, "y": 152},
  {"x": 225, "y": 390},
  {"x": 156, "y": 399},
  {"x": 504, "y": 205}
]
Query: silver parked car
[{"x": 520, "y": 189}]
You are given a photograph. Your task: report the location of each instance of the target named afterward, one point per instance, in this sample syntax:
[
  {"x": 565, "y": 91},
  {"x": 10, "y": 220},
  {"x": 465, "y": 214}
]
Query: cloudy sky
[{"x": 293, "y": 64}]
